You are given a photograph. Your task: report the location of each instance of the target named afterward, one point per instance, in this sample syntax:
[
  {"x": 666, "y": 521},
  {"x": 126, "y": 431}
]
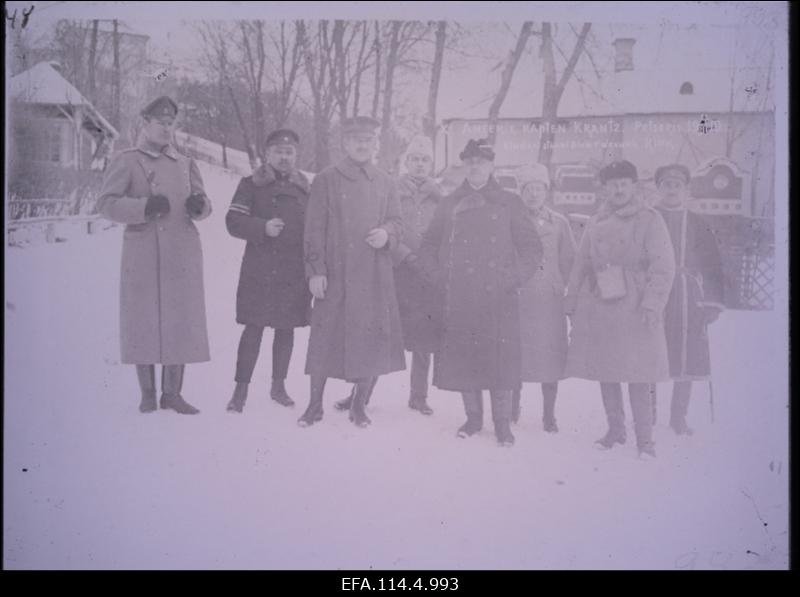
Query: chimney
[{"x": 623, "y": 56}]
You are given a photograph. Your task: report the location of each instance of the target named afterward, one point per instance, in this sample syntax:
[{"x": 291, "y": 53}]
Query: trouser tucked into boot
[
  {"x": 642, "y": 409},
  {"x": 615, "y": 415},
  {"x": 679, "y": 408},
  {"x": 473, "y": 408},
  {"x": 171, "y": 384},
  {"x": 346, "y": 403},
  {"x": 361, "y": 393},
  {"x": 314, "y": 411},
  {"x": 147, "y": 384},
  {"x": 501, "y": 416},
  {"x": 420, "y": 365},
  {"x": 247, "y": 356}
]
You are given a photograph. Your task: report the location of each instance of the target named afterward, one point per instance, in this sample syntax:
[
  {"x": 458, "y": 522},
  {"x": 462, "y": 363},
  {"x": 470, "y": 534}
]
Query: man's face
[
  {"x": 282, "y": 157},
  {"x": 360, "y": 147},
  {"x": 419, "y": 165},
  {"x": 478, "y": 170},
  {"x": 619, "y": 190},
  {"x": 673, "y": 191},
  {"x": 534, "y": 194},
  {"x": 158, "y": 131}
]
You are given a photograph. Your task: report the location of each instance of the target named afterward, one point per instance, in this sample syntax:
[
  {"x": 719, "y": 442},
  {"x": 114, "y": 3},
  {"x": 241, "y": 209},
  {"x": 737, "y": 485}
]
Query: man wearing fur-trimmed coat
[
  {"x": 268, "y": 211},
  {"x": 158, "y": 194},
  {"x": 696, "y": 299}
]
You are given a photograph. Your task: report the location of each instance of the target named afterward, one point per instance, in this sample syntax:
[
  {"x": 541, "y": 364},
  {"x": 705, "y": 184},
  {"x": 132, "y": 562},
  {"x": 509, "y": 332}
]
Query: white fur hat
[
  {"x": 533, "y": 173},
  {"x": 420, "y": 145}
]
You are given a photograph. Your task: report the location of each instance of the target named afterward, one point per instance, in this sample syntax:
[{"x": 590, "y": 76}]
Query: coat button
[
  {"x": 494, "y": 239},
  {"x": 494, "y": 216}
]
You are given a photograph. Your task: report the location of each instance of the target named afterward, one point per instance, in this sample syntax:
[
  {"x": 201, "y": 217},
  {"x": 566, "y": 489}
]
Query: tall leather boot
[
  {"x": 516, "y": 398},
  {"x": 654, "y": 398},
  {"x": 681, "y": 393},
  {"x": 147, "y": 385},
  {"x": 345, "y": 403},
  {"x": 358, "y": 414},
  {"x": 615, "y": 414},
  {"x": 501, "y": 415},
  {"x": 642, "y": 409},
  {"x": 171, "y": 384},
  {"x": 314, "y": 411},
  {"x": 549, "y": 393},
  {"x": 239, "y": 397},
  {"x": 473, "y": 407},
  {"x": 278, "y": 393}
]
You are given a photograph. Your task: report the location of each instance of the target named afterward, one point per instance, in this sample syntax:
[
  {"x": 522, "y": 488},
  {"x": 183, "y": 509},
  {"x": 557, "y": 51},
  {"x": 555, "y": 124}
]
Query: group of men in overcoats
[{"x": 485, "y": 284}]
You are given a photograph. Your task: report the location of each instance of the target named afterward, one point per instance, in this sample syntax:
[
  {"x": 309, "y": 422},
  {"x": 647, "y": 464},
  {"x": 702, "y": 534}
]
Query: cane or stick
[{"x": 711, "y": 398}]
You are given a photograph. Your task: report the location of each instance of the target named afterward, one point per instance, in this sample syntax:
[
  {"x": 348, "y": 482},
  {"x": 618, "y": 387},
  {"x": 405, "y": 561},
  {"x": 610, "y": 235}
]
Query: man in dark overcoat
[
  {"x": 352, "y": 223},
  {"x": 482, "y": 247},
  {"x": 268, "y": 211},
  {"x": 696, "y": 298}
]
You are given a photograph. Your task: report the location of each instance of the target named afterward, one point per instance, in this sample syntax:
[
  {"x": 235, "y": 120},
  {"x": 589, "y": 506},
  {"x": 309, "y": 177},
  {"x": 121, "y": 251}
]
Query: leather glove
[
  {"x": 195, "y": 204},
  {"x": 156, "y": 206}
]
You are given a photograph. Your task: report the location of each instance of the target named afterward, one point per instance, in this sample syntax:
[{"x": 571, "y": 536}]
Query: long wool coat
[
  {"x": 272, "y": 287},
  {"x": 420, "y": 301},
  {"x": 609, "y": 342},
  {"x": 482, "y": 247},
  {"x": 355, "y": 329},
  {"x": 699, "y": 282},
  {"x": 543, "y": 323},
  {"x": 162, "y": 298}
]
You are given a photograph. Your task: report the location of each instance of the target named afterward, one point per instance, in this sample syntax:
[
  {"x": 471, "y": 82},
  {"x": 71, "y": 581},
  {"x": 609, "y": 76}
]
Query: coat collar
[
  {"x": 148, "y": 150},
  {"x": 427, "y": 190},
  {"x": 266, "y": 174},
  {"x": 633, "y": 207},
  {"x": 353, "y": 170},
  {"x": 469, "y": 198}
]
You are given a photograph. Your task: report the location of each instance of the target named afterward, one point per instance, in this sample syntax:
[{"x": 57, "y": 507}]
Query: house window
[
  {"x": 49, "y": 143},
  {"x": 687, "y": 88}
]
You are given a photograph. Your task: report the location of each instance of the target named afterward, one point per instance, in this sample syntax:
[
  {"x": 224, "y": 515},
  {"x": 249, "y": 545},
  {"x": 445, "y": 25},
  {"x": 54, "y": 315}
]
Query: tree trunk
[
  {"x": 505, "y": 78},
  {"x": 115, "y": 103},
  {"x": 554, "y": 90},
  {"x": 93, "y": 62},
  {"x": 436, "y": 77},
  {"x": 377, "y": 94},
  {"x": 251, "y": 153},
  {"x": 386, "y": 115}
]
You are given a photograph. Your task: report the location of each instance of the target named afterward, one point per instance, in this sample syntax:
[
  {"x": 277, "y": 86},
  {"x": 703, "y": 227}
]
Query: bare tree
[
  {"x": 509, "y": 66},
  {"x": 553, "y": 90},
  {"x": 317, "y": 54},
  {"x": 378, "y": 61},
  {"x": 116, "y": 80},
  {"x": 429, "y": 124},
  {"x": 92, "y": 85},
  {"x": 290, "y": 60}
]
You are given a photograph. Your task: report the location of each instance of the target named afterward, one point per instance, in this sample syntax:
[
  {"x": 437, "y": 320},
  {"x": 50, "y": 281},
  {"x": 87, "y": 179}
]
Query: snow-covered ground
[{"x": 91, "y": 483}]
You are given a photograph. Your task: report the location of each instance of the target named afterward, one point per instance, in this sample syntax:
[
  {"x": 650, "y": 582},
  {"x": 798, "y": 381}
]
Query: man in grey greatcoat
[
  {"x": 352, "y": 223},
  {"x": 158, "y": 194}
]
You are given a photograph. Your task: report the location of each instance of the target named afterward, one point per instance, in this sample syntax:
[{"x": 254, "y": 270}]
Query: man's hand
[
  {"x": 377, "y": 238},
  {"x": 650, "y": 318},
  {"x": 274, "y": 227},
  {"x": 318, "y": 285},
  {"x": 156, "y": 206},
  {"x": 195, "y": 204}
]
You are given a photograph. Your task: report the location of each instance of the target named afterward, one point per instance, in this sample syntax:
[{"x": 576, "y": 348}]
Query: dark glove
[
  {"x": 156, "y": 206},
  {"x": 195, "y": 204}
]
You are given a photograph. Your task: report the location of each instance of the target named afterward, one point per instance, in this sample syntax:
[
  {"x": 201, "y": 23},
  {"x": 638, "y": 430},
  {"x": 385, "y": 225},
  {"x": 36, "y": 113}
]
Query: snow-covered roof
[{"x": 42, "y": 84}]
